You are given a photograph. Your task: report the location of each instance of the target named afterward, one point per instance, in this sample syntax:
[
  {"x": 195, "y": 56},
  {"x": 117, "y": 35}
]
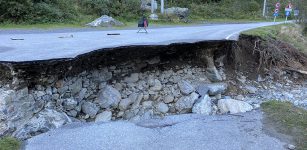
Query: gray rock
[
  {"x": 90, "y": 109},
  {"x": 103, "y": 75},
  {"x": 157, "y": 86},
  {"x": 105, "y": 21},
  {"x": 213, "y": 89},
  {"x": 185, "y": 87},
  {"x": 82, "y": 94},
  {"x": 185, "y": 103},
  {"x": 104, "y": 116},
  {"x": 76, "y": 87},
  {"x": 168, "y": 99},
  {"x": 242, "y": 79},
  {"x": 42, "y": 122},
  {"x": 233, "y": 106},
  {"x": 70, "y": 103},
  {"x": 38, "y": 105},
  {"x": 62, "y": 90},
  {"x": 213, "y": 75},
  {"x": 251, "y": 89},
  {"x": 125, "y": 103},
  {"x": 134, "y": 77},
  {"x": 240, "y": 97},
  {"x": 109, "y": 97},
  {"x": 72, "y": 113},
  {"x": 39, "y": 94},
  {"x": 137, "y": 101},
  {"x": 203, "y": 106},
  {"x": 49, "y": 90},
  {"x": 182, "y": 13},
  {"x": 55, "y": 96},
  {"x": 147, "y": 104},
  {"x": 163, "y": 108}
]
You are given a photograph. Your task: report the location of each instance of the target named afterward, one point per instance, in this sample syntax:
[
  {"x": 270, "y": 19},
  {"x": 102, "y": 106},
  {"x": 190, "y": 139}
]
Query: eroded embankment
[{"x": 132, "y": 83}]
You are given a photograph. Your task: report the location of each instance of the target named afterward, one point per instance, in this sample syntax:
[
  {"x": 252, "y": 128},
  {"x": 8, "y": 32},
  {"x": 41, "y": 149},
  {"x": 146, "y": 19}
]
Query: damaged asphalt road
[{"x": 182, "y": 132}]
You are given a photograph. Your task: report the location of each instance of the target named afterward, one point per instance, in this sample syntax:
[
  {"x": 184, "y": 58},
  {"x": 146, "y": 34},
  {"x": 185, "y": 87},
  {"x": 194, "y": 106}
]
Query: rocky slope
[{"x": 137, "y": 83}]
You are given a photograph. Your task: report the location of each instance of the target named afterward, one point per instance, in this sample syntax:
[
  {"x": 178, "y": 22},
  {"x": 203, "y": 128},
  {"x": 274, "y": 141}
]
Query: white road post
[
  {"x": 162, "y": 6},
  {"x": 264, "y": 8},
  {"x": 152, "y": 6}
]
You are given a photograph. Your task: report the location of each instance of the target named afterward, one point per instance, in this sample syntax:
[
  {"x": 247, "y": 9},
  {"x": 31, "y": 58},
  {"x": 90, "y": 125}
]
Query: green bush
[
  {"x": 14, "y": 10},
  {"x": 62, "y": 11},
  {"x": 97, "y": 7}
]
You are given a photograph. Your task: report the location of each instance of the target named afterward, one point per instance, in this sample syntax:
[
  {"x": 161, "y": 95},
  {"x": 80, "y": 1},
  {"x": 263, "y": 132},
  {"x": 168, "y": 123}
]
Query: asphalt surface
[
  {"x": 45, "y": 46},
  {"x": 183, "y": 132}
]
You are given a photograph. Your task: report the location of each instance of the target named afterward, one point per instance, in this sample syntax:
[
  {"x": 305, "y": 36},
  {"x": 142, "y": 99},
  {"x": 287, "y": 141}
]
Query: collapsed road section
[{"x": 145, "y": 81}]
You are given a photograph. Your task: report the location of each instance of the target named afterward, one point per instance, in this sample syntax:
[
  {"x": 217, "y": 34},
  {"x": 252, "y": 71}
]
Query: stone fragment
[
  {"x": 213, "y": 74},
  {"x": 157, "y": 86},
  {"x": 185, "y": 103},
  {"x": 104, "y": 116},
  {"x": 49, "y": 90},
  {"x": 82, "y": 94},
  {"x": 72, "y": 113},
  {"x": 203, "y": 106},
  {"x": 147, "y": 104},
  {"x": 185, "y": 87},
  {"x": 90, "y": 109},
  {"x": 163, "y": 108},
  {"x": 134, "y": 77},
  {"x": 70, "y": 103},
  {"x": 233, "y": 106},
  {"x": 168, "y": 99},
  {"x": 251, "y": 89},
  {"x": 109, "y": 97},
  {"x": 42, "y": 122},
  {"x": 213, "y": 89},
  {"x": 125, "y": 103},
  {"x": 76, "y": 87},
  {"x": 39, "y": 94}
]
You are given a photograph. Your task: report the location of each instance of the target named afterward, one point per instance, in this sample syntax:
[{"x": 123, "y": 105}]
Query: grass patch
[
  {"x": 9, "y": 143},
  {"x": 288, "y": 120}
]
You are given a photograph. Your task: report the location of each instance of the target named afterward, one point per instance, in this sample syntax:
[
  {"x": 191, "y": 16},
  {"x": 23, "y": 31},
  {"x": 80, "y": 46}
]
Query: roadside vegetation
[
  {"x": 76, "y": 13},
  {"x": 289, "y": 33},
  {"x": 8, "y": 143},
  {"x": 289, "y": 120}
]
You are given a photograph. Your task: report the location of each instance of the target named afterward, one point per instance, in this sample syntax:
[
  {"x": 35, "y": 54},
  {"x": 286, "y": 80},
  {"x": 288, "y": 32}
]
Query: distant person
[{"x": 143, "y": 24}]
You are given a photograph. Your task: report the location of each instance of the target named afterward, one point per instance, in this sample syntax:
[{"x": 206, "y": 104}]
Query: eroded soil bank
[{"x": 134, "y": 83}]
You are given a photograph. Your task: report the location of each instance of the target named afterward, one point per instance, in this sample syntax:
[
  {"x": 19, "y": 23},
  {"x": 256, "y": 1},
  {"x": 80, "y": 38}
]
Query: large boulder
[
  {"x": 212, "y": 89},
  {"x": 185, "y": 87},
  {"x": 182, "y": 13},
  {"x": 90, "y": 109},
  {"x": 203, "y": 106},
  {"x": 233, "y": 106},
  {"x": 185, "y": 103},
  {"x": 109, "y": 97},
  {"x": 16, "y": 108},
  {"x": 105, "y": 21},
  {"x": 104, "y": 116},
  {"x": 42, "y": 122}
]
